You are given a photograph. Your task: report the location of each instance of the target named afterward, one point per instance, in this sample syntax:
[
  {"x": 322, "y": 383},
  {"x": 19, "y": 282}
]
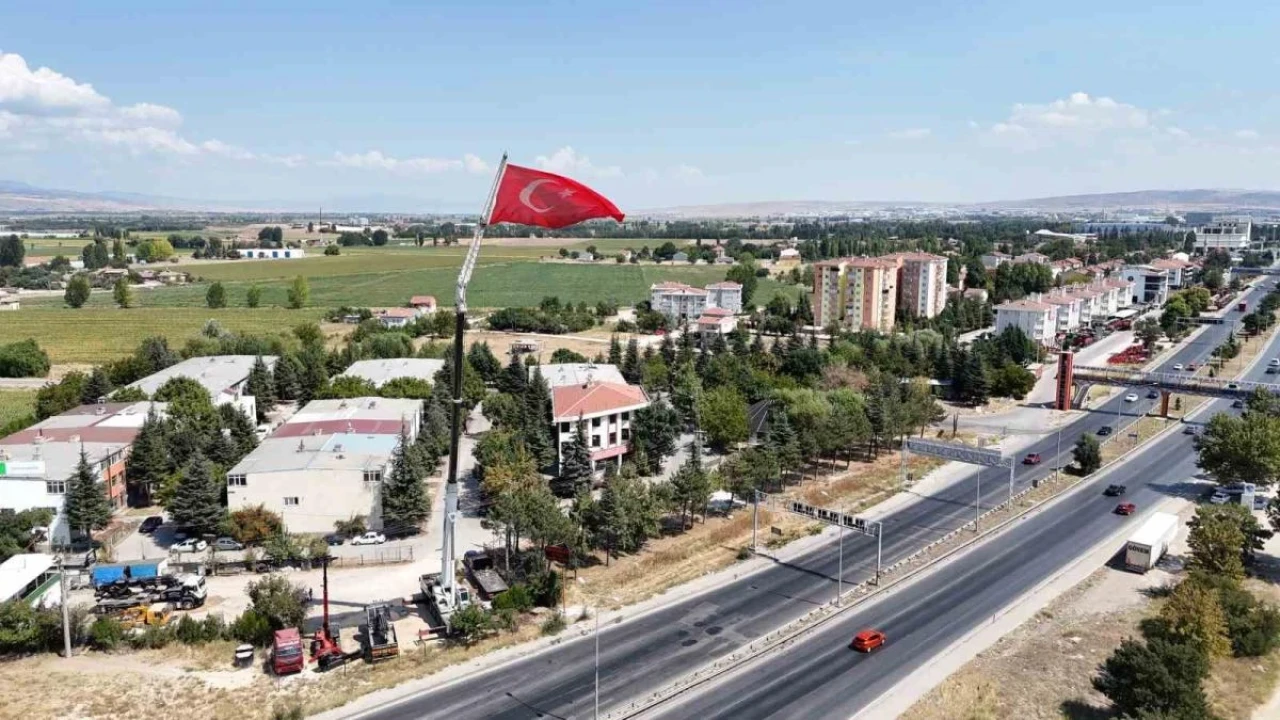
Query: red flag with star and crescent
[{"x": 533, "y": 197}]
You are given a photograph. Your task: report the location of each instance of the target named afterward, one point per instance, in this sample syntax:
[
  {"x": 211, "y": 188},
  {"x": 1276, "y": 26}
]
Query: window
[
  {"x": 613, "y": 439},
  {"x": 55, "y": 487},
  {"x": 564, "y": 427},
  {"x": 372, "y": 476},
  {"x": 595, "y": 422},
  {"x": 236, "y": 481},
  {"x": 626, "y": 434},
  {"x": 595, "y": 441},
  {"x": 291, "y": 501}
]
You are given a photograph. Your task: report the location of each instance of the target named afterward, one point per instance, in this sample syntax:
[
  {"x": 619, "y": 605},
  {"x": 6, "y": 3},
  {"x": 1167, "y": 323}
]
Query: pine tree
[
  {"x": 686, "y": 392},
  {"x": 718, "y": 345},
  {"x": 976, "y": 385},
  {"x": 783, "y": 441},
  {"x": 615, "y": 351},
  {"x": 87, "y": 507},
  {"x": 691, "y": 485},
  {"x": 287, "y": 381},
  {"x": 404, "y": 497},
  {"x": 575, "y": 464},
  {"x": 148, "y": 462},
  {"x": 262, "y": 387},
  {"x": 122, "y": 293},
  {"x": 631, "y": 368},
  {"x": 435, "y": 427},
  {"x": 216, "y": 296},
  {"x": 484, "y": 362},
  {"x": 197, "y": 499},
  {"x": 668, "y": 350},
  {"x": 98, "y": 386},
  {"x": 514, "y": 378},
  {"x": 537, "y": 431}
]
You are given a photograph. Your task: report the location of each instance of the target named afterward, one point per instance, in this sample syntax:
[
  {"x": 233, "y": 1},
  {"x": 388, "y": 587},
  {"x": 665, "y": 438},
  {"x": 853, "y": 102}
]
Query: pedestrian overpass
[{"x": 1071, "y": 376}]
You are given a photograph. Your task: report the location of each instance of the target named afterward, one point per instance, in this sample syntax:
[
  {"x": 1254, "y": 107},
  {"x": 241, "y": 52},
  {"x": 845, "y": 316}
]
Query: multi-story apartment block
[
  {"x": 1038, "y": 320},
  {"x": 684, "y": 303},
  {"x": 922, "y": 282}
]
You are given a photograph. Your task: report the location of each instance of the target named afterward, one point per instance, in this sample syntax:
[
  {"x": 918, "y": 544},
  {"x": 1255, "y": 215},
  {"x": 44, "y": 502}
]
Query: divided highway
[{"x": 647, "y": 652}]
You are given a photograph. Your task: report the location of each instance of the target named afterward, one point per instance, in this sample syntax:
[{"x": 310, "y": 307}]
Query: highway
[{"x": 649, "y": 651}]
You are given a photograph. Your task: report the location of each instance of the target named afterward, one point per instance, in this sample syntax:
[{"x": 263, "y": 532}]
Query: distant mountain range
[{"x": 17, "y": 197}]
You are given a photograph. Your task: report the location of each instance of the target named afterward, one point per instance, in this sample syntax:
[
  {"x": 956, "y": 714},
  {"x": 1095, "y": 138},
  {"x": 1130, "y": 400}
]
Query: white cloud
[
  {"x": 1247, "y": 134},
  {"x": 566, "y": 161},
  {"x": 217, "y": 147},
  {"x": 375, "y": 160},
  {"x": 1079, "y": 113},
  {"x": 688, "y": 172},
  {"x": 474, "y": 164},
  {"x": 911, "y": 134},
  {"x": 43, "y": 90}
]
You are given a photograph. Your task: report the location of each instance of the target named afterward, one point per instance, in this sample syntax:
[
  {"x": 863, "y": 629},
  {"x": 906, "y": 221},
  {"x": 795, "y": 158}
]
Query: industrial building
[
  {"x": 379, "y": 372},
  {"x": 1231, "y": 235},
  {"x": 224, "y": 376},
  {"x": 326, "y": 463}
]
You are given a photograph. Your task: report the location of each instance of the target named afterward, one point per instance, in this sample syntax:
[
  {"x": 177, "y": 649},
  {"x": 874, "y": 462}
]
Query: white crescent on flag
[{"x": 526, "y": 195}]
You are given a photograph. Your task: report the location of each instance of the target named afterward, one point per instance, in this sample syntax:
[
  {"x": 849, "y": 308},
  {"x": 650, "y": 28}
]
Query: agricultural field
[
  {"x": 15, "y": 404},
  {"x": 375, "y": 281},
  {"x": 94, "y": 334}
]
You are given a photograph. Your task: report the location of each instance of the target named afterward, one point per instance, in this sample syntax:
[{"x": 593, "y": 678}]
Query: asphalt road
[{"x": 645, "y": 653}]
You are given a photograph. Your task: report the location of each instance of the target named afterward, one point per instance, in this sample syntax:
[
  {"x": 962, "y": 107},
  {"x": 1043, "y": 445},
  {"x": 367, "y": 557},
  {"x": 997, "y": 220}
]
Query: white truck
[{"x": 1150, "y": 542}]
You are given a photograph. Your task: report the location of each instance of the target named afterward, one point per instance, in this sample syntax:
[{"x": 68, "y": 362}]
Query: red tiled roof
[
  {"x": 422, "y": 300},
  {"x": 329, "y": 427},
  {"x": 570, "y": 401},
  {"x": 717, "y": 312}
]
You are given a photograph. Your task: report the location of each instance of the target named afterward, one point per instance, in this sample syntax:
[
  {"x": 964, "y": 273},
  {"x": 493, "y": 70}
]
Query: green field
[
  {"x": 501, "y": 284},
  {"x": 15, "y": 404},
  {"x": 91, "y": 335}
]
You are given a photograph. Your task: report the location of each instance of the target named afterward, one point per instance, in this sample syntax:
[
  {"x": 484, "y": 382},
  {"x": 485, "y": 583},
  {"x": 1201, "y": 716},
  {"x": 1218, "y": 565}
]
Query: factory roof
[
  {"x": 335, "y": 451},
  {"x": 217, "y": 373},
  {"x": 379, "y": 372},
  {"x": 562, "y": 374}
]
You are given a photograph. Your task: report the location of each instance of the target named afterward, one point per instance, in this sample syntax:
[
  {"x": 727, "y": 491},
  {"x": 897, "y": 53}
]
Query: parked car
[
  {"x": 151, "y": 524},
  {"x": 335, "y": 539},
  {"x": 1260, "y": 502},
  {"x": 1031, "y": 459},
  {"x": 1219, "y": 497},
  {"x": 1126, "y": 509},
  {"x": 1233, "y": 386},
  {"x": 867, "y": 640},
  {"x": 1105, "y": 430},
  {"x": 226, "y": 543},
  {"x": 1131, "y": 397},
  {"x": 190, "y": 545},
  {"x": 1114, "y": 490},
  {"x": 370, "y": 538}
]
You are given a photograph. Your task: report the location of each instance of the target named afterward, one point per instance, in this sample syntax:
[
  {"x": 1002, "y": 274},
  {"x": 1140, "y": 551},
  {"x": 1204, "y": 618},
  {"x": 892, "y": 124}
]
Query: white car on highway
[
  {"x": 190, "y": 545},
  {"x": 1131, "y": 397},
  {"x": 1177, "y": 366},
  {"x": 369, "y": 538}
]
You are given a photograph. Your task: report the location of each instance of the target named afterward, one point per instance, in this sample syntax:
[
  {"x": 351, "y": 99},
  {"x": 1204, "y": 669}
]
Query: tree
[
  {"x": 782, "y": 442},
  {"x": 86, "y": 507},
  {"x": 1222, "y": 538},
  {"x": 1147, "y": 331},
  {"x": 77, "y": 292},
  {"x": 722, "y": 415},
  {"x": 484, "y": 361},
  {"x": 216, "y": 296},
  {"x": 181, "y": 388},
  {"x": 745, "y": 275},
  {"x": 299, "y": 293},
  {"x": 1012, "y": 380},
  {"x": 691, "y": 486},
  {"x": 348, "y": 386},
  {"x": 11, "y": 251},
  {"x": 262, "y": 387},
  {"x": 254, "y": 525},
  {"x": 631, "y": 368},
  {"x": 380, "y": 237},
  {"x": 1088, "y": 454},
  {"x": 197, "y": 498},
  {"x": 1241, "y": 449},
  {"x": 148, "y": 462},
  {"x": 122, "y": 293},
  {"x": 686, "y": 391},
  {"x": 1158, "y": 676},
  {"x": 1193, "y": 615},
  {"x": 514, "y": 378},
  {"x": 254, "y": 296},
  {"x": 281, "y": 602},
  {"x": 404, "y": 497},
  {"x": 575, "y": 463},
  {"x": 97, "y": 387},
  {"x": 654, "y": 430}
]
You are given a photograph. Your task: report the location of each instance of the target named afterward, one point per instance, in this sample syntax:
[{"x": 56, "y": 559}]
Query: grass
[
  {"x": 502, "y": 284},
  {"x": 15, "y": 404},
  {"x": 95, "y": 334}
]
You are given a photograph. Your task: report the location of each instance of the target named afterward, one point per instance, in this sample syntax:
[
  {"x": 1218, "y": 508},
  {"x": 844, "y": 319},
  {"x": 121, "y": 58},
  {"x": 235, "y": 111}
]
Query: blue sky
[{"x": 409, "y": 104}]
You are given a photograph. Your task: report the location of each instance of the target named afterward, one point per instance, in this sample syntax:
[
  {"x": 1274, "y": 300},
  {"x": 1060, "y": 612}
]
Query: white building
[
  {"x": 272, "y": 253},
  {"x": 326, "y": 463},
  {"x": 37, "y": 462},
  {"x": 379, "y": 372},
  {"x": 1033, "y": 258},
  {"x": 1150, "y": 285},
  {"x": 1037, "y": 320},
  {"x": 1179, "y": 271},
  {"x": 224, "y": 376},
  {"x": 398, "y": 317},
  {"x": 1068, "y": 317},
  {"x": 605, "y": 408},
  {"x": 683, "y": 303},
  {"x": 716, "y": 321},
  {"x": 563, "y": 374},
  {"x": 31, "y": 577},
  {"x": 993, "y": 260},
  {"x": 1229, "y": 235}
]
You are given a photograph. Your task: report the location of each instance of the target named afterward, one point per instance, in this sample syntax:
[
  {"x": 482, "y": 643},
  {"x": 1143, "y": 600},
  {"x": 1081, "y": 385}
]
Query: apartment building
[
  {"x": 922, "y": 283},
  {"x": 1037, "y": 320},
  {"x": 684, "y": 303}
]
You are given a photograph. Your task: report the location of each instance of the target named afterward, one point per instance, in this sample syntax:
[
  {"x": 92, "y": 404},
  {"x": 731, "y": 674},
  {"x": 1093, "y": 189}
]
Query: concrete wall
[{"x": 324, "y": 496}]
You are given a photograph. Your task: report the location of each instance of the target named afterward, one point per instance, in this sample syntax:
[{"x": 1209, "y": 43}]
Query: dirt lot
[{"x": 500, "y": 343}]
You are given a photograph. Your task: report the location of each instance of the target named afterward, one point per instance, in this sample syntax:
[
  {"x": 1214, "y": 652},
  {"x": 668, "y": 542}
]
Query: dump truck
[
  {"x": 140, "y": 616},
  {"x": 1150, "y": 542},
  {"x": 286, "y": 652},
  {"x": 482, "y": 574},
  {"x": 380, "y": 641}
]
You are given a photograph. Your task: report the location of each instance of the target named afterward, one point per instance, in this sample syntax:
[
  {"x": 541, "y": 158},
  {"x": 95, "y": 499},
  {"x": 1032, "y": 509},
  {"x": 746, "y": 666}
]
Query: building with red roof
[{"x": 605, "y": 410}]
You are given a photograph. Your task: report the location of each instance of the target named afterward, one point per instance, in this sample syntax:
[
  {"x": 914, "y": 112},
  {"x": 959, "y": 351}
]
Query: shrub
[
  {"x": 517, "y": 598},
  {"x": 293, "y": 712},
  {"x": 351, "y": 527},
  {"x": 332, "y": 250},
  {"x": 153, "y": 638},
  {"x": 744, "y": 553},
  {"x": 23, "y": 359},
  {"x": 546, "y": 588},
  {"x": 553, "y": 625},
  {"x": 251, "y": 627},
  {"x": 106, "y": 634},
  {"x": 281, "y": 602},
  {"x": 254, "y": 525}
]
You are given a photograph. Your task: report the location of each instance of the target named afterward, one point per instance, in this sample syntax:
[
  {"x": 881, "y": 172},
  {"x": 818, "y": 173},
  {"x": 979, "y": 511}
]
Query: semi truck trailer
[{"x": 1150, "y": 542}]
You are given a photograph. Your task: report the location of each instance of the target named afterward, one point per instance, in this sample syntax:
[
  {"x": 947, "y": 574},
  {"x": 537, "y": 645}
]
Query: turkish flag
[{"x": 533, "y": 197}]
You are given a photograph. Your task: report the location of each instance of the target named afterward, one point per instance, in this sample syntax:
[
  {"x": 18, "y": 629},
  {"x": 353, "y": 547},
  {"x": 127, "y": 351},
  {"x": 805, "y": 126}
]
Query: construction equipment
[
  {"x": 380, "y": 639},
  {"x": 141, "y": 616},
  {"x": 326, "y": 651}
]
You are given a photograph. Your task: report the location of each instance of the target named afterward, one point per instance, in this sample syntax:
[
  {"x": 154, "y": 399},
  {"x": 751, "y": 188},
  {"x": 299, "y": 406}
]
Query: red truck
[
  {"x": 1242, "y": 307},
  {"x": 286, "y": 652}
]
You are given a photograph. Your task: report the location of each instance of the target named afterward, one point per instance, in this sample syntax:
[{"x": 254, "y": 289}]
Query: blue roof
[{"x": 362, "y": 444}]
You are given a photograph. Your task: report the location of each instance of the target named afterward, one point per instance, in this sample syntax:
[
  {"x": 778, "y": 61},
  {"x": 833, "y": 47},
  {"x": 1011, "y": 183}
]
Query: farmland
[
  {"x": 15, "y": 404},
  {"x": 91, "y": 335}
]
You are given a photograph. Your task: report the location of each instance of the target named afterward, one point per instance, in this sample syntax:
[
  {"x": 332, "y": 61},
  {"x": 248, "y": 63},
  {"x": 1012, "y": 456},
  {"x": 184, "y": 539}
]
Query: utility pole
[
  {"x": 597, "y": 664},
  {"x": 755, "y": 520},
  {"x": 840, "y": 571},
  {"x": 66, "y": 620},
  {"x": 977, "y": 503}
]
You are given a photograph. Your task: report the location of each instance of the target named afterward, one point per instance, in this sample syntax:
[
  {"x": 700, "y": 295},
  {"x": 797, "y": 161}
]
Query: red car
[
  {"x": 1126, "y": 509},
  {"x": 867, "y": 640},
  {"x": 1032, "y": 459}
]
